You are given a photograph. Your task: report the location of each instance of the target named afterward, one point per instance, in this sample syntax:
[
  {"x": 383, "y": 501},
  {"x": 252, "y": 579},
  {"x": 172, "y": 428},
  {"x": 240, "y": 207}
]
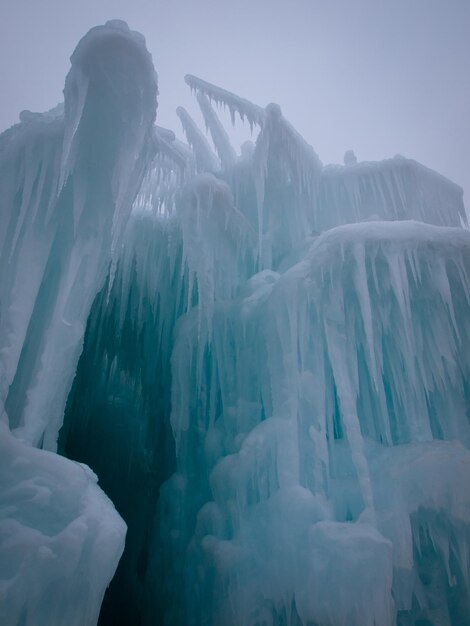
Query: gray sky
[{"x": 379, "y": 76}]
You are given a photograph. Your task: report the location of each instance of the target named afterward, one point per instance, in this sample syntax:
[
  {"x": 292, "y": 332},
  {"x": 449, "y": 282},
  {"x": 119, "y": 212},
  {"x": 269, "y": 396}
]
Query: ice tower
[{"x": 264, "y": 360}]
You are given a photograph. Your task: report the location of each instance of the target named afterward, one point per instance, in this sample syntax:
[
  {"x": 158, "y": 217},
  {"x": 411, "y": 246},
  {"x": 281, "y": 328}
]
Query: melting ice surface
[{"x": 265, "y": 361}]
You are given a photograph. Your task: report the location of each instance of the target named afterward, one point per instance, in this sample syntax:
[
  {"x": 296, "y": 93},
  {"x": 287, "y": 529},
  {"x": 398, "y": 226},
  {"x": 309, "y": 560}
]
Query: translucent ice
[
  {"x": 60, "y": 538},
  {"x": 67, "y": 184},
  {"x": 265, "y": 360},
  {"x": 68, "y": 179},
  {"x": 324, "y": 395}
]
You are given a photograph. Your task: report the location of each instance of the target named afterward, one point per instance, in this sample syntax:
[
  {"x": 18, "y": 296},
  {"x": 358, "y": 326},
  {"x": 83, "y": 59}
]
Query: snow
[{"x": 265, "y": 360}]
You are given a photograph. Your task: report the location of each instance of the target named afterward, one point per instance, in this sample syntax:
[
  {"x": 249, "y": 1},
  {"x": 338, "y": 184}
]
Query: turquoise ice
[{"x": 265, "y": 360}]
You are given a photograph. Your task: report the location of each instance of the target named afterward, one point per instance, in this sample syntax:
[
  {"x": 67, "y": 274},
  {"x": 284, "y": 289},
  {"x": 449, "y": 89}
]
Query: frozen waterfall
[{"x": 265, "y": 362}]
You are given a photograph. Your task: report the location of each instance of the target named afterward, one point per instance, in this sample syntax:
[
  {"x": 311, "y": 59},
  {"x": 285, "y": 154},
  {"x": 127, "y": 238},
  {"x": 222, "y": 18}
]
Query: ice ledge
[{"x": 402, "y": 231}]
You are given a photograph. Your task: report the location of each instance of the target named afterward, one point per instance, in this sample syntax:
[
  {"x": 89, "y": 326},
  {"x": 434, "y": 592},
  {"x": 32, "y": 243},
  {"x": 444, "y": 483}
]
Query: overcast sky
[{"x": 379, "y": 76}]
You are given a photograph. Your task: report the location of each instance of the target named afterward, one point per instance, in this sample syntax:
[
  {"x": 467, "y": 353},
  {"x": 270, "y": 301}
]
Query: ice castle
[{"x": 264, "y": 361}]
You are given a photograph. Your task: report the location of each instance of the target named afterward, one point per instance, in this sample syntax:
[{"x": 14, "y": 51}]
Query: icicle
[
  {"x": 253, "y": 113},
  {"x": 205, "y": 159},
  {"x": 219, "y": 136},
  {"x": 362, "y": 290}
]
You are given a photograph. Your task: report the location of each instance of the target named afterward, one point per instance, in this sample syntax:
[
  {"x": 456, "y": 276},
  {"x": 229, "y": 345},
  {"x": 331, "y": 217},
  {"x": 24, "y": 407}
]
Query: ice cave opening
[{"x": 243, "y": 377}]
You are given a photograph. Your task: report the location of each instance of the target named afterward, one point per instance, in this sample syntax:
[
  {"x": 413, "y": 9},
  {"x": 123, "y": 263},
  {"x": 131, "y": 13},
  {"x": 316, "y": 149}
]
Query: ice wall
[
  {"x": 120, "y": 400},
  {"x": 319, "y": 415},
  {"x": 334, "y": 396},
  {"x": 68, "y": 179},
  {"x": 273, "y": 384}
]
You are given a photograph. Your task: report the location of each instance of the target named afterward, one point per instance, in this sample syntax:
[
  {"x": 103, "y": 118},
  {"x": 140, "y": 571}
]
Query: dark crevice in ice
[{"x": 117, "y": 422}]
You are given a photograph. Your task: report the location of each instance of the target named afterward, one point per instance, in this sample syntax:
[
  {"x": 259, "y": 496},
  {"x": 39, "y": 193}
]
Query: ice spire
[
  {"x": 103, "y": 143},
  {"x": 227, "y": 154},
  {"x": 68, "y": 180},
  {"x": 282, "y": 154},
  {"x": 206, "y": 161}
]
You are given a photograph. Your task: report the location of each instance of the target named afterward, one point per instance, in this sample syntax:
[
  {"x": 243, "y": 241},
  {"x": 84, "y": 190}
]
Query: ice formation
[
  {"x": 60, "y": 537},
  {"x": 67, "y": 182},
  {"x": 265, "y": 361}
]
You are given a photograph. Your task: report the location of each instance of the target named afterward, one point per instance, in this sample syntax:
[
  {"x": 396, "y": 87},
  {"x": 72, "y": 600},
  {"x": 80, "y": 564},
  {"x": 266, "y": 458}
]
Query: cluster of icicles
[{"x": 265, "y": 361}]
